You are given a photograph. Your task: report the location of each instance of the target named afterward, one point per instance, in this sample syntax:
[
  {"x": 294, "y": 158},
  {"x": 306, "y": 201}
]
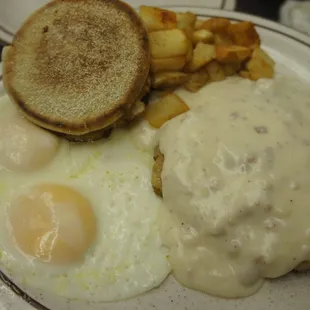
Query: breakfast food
[
  {"x": 234, "y": 182},
  {"x": 23, "y": 146},
  {"x": 165, "y": 109},
  {"x": 181, "y": 44},
  {"x": 81, "y": 220},
  {"x": 79, "y": 67},
  {"x": 77, "y": 220}
]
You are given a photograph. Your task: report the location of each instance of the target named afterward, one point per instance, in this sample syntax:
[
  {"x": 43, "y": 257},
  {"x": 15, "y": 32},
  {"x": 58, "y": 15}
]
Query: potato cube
[
  {"x": 190, "y": 52},
  {"x": 198, "y": 23},
  {"x": 245, "y": 74},
  {"x": 215, "y": 25},
  {"x": 223, "y": 39},
  {"x": 231, "y": 69},
  {"x": 215, "y": 71},
  {"x": 260, "y": 65},
  {"x": 157, "y": 19},
  {"x": 197, "y": 80},
  {"x": 159, "y": 93},
  {"x": 244, "y": 34},
  {"x": 168, "y": 43},
  {"x": 168, "y": 64},
  {"x": 165, "y": 109},
  {"x": 186, "y": 21},
  {"x": 232, "y": 54},
  {"x": 203, "y": 35},
  {"x": 203, "y": 54},
  {"x": 164, "y": 80}
]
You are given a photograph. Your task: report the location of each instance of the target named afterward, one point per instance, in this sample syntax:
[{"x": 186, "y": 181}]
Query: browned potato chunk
[
  {"x": 190, "y": 52},
  {"x": 169, "y": 79},
  {"x": 215, "y": 71},
  {"x": 260, "y": 65},
  {"x": 187, "y": 21},
  {"x": 231, "y": 69},
  {"x": 168, "y": 43},
  {"x": 168, "y": 64},
  {"x": 232, "y": 54},
  {"x": 215, "y": 25},
  {"x": 203, "y": 35},
  {"x": 165, "y": 109},
  {"x": 197, "y": 80},
  {"x": 223, "y": 39},
  {"x": 244, "y": 34},
  {"x": 157, "y": 19},
  {"x": 203, "y": 54},
  {"x": 198, "y": 23},
  {"x": 159, "y": 93},
  {"x": 245, "y": 74}
]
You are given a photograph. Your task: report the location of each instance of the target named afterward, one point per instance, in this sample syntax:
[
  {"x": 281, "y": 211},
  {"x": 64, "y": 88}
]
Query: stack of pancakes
[{"x": 79, "y": 68}]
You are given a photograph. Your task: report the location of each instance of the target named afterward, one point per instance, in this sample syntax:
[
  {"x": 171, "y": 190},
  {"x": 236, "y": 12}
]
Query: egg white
[{"x": 127, "y": 258}]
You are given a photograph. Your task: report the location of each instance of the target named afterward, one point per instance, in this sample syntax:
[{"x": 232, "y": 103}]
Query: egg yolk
[
  {"x": 53, "y": 223},
  {"x": 24, "y": 146}
]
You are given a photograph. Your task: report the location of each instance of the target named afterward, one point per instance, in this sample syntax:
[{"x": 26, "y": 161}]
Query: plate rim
[
  {"x": 297, "y": 37},
  {"x": 272, "y": 25}
]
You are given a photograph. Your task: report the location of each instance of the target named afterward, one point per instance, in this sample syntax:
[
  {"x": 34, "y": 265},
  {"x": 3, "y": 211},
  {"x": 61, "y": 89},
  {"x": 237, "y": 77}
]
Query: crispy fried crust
[
  {"x": 157, "y": 170},
  {"x": 76, "y": 66},
  {"x": 157, "y": 186}
]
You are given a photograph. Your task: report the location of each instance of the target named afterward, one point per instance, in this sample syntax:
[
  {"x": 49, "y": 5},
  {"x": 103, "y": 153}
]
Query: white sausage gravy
[{"x": 236, "y": 185}]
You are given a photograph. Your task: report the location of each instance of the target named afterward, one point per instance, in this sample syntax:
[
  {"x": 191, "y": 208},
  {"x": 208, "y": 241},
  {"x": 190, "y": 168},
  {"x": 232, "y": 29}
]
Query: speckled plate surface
[{"x": 291, "y": 51}]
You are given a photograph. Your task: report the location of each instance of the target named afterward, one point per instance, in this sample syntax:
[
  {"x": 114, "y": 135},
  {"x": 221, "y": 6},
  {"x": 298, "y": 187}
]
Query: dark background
[{"x": 264, "y": 8}]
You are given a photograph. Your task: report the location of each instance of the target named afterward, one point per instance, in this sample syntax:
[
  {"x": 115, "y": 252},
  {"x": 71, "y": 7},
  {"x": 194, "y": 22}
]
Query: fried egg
[
  {"x": 77, "y": 220},
  {"x": 23, "y": 146}
]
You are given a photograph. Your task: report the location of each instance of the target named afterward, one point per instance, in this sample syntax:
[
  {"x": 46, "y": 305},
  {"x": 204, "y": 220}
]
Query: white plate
[{"x": 291, "y": 51}]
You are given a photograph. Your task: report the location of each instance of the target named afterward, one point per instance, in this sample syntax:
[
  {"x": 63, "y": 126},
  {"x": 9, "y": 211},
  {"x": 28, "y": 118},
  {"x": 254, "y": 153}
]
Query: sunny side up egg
[{"x": 77, "y": 220}]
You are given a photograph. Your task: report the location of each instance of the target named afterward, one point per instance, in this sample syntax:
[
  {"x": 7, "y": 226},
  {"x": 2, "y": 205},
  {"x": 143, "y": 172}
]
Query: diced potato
[
  {"x": 232, "y": 54},
  {"x": 215, "y": 71},
  {"x": 203, "y": 35},
  {"x": 186, "y": 21},
  {"x": 203, "y": 54},
  {"x": 260, "y": 65},
  {"x": 169, "y": 79},
  {"x": 198, "y": 23},
  {"x": 159, "y": 93},
  {"x": 168, "y": 43},
  {"x": 231, "y": 69},
  {"x": 190, "y": 52},
  {"x": 223, "y": 39},
  {"x": 245, "y": 74},
  {"x": 215, "y": 25},
  {"x": 165, "y": 109},
  {"x": 197, "y": 80},
  {"x": 168, "y": 64},
  {"x": 244, "y": 34},
  {"x": 157, "y": 19}
]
